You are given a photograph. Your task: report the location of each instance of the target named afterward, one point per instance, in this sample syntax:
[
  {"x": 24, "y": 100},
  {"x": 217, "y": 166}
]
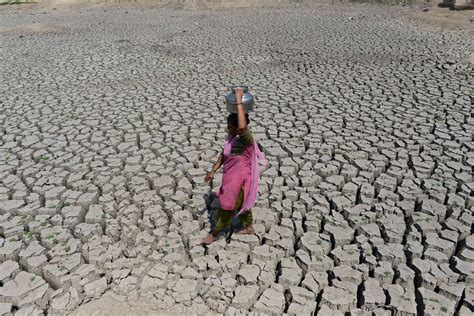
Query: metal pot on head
[{"x": 248, "y": 99}]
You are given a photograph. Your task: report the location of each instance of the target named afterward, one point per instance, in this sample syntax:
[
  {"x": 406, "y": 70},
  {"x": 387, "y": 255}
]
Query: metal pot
[{"x": 247, "y": 100}]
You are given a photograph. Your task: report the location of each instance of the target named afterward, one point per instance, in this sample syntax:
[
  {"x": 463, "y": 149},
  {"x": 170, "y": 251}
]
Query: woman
[{"x": 239, "y": 188}]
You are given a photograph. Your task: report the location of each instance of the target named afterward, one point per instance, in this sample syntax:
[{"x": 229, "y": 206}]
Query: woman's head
[{"x": 233, "y": 123}]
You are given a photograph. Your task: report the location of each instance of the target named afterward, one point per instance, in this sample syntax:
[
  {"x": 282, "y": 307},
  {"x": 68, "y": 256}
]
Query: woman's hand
[
  {"x": 239, "y": 93},
  {"x": 217, "y": 165},
  {"x": 209, "y": 176}
]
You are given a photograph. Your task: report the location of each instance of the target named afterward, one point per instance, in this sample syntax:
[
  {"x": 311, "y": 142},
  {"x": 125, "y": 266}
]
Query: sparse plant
[{"x": 30, "y": 234}]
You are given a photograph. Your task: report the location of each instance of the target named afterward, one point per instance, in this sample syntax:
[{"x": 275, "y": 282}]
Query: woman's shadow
[{"x": 212, "y": 206}]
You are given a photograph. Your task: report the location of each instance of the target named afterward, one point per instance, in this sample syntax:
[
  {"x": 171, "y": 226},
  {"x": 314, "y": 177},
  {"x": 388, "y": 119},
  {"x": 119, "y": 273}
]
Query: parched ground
[{"x": 110, "y": 116}]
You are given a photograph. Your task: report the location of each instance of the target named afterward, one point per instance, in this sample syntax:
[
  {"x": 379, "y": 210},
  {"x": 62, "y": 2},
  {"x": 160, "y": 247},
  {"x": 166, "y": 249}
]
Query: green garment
[
  {"x": 224, "y": 217},
  {"x": 241, "y": 143}
]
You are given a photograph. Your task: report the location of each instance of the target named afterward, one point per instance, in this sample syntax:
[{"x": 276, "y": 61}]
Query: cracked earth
[{"x": 110, "y": 118}]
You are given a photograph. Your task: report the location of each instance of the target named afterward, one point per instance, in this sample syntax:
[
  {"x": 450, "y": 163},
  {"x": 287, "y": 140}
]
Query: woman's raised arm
[{"x": 242, "y": 127}]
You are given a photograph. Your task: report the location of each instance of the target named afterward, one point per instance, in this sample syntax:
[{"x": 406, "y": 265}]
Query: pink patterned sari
[{"x": 241, "y": 171}]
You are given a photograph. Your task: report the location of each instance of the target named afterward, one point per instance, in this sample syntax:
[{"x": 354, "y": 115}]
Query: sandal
[
  {"x": 208, "y": 240},
  {"x": 247, "y": 230}
]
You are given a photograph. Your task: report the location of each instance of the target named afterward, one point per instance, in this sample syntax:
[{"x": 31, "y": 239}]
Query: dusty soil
[
  {"x": 360, "y": 85},
  {"x": 110, "y": 305},
  {"x": 442, "y": 18},
  {"x": 422, "y": 14}
]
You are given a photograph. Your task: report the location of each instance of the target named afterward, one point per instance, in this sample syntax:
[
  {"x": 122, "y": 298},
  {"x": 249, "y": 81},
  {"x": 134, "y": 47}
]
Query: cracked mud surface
[{"x": 110, "y": 118}]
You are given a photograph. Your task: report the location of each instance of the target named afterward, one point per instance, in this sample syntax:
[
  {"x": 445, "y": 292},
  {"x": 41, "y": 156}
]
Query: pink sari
[{"x": 240, "y": 171}]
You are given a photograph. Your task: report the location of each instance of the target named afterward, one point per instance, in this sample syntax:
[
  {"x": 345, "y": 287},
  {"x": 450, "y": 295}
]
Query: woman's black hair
[{"x": 233, "y": 119}]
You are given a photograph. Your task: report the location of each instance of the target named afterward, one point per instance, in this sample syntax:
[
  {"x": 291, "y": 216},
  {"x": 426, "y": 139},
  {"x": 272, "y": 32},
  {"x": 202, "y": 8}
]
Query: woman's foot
[
  {"x": 208, "y": 240},
  {"x": 247, "y": 230}
]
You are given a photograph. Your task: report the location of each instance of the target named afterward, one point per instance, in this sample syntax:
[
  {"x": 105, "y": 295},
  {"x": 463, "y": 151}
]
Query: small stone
[
  {"x": 402, "y": 300},
  {"x": 291, "y": 273},
  {"x": 245, "y": 296},
  {"x": 8, "y": 270},
  {"x": 96, "y": 288},
  {"x": 338, "y": 299},
  {"x": 26, "y": 288},
  {"x": 435, "y": 303},
  {"x": 95, "y": 215},
  {"x": 373, "y": 295},
  {"x": 272, "y": 301}
]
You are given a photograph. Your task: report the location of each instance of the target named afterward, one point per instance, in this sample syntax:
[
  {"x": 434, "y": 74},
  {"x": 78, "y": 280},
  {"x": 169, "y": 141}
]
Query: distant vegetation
[{"x": 4, "y": 2}]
